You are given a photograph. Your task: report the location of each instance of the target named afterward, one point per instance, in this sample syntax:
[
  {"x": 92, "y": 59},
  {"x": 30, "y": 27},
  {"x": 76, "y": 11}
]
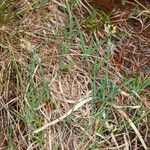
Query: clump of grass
[{"x": 65, "y": 87}]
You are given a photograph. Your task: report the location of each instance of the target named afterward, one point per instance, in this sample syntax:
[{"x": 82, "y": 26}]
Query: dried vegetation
[{"x": 73, "y": 77}]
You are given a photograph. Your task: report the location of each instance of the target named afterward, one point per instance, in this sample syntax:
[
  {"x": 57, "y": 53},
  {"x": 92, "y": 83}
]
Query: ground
[{"x": 73, "y": 76}]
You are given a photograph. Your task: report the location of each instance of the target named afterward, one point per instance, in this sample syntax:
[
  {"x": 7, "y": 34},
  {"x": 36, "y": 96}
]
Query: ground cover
[{"x": 73, "y": 76}]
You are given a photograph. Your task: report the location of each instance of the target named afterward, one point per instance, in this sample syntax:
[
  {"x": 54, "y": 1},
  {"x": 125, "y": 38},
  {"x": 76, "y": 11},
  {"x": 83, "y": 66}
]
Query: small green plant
[
  {"x": 35, "y": 94},
  {"x": 90, "y": 23}
]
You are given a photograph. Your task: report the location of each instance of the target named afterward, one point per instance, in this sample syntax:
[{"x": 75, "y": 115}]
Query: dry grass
[{"x": 73, "y": 78}]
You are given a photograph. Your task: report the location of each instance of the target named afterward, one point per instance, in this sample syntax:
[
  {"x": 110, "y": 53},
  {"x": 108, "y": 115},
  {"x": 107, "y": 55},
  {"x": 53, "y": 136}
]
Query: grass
[{"x": 72, "y": 77}]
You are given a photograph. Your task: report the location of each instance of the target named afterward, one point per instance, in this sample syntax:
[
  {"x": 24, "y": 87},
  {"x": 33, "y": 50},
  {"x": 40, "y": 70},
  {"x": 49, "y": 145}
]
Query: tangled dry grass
[{"x": 73, "y": 78}]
